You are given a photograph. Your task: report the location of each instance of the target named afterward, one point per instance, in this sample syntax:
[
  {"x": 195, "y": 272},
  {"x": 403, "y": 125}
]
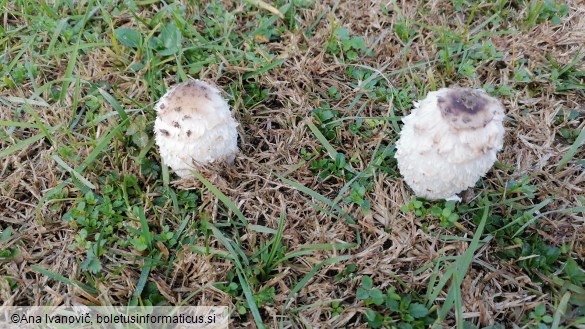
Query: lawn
[{"x": 313, "y": 225}]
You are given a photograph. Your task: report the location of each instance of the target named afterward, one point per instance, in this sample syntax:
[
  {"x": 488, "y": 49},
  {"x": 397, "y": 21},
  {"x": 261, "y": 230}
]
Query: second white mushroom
[{"x": 449, "y": 141}]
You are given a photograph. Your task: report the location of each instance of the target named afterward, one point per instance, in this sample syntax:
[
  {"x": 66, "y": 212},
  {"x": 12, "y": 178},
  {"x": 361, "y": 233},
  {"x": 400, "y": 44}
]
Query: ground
[{"x": 313, "y": 225}]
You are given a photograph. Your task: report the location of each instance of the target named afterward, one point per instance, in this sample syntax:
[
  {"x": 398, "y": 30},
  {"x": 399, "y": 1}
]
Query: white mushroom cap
[
  {"x": 449, "y": 141},
  {"x": 194, "y": 127}
]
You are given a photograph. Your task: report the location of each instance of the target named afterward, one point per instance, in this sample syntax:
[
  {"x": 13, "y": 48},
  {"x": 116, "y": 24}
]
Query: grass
[{"x": 313, "y": 226}]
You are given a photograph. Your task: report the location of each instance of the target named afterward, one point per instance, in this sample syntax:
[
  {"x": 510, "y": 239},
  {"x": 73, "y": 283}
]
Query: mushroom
[
  {"x": 449, "y": 141},
  {"x": 194, "y": 127}
]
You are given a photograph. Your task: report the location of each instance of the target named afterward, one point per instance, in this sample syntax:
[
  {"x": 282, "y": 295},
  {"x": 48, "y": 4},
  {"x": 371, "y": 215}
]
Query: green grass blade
[
  {"x": 114, "y": 103},
  {"x": 435, "y": 290},
  {"x": 56, "y": 32},
  {"x": 276, "y": 242},
  {"x": 456, "y": 292},
  {"x": 310, "y": 249},
  {"x": 69, "y": 71},
  {"x": 142, "y": 280},
  {"x": 572, "y": 151},
  {"x": 561, "y": 310},
  {"x": 330, "y": 150},
  {"x": 222, "y": 197},
  {"x": 21, "y": 145},
  {"x": 312, "y": 273},
  {"x": 73, "y": 172},
  {"x": 529, "y": 211},
  {"x": 60, "y": 278},
  {"x": 264, "y": 69},
  {"x": 311, "y": 193},
  {"x": 100, "y": 147},
  {"x": 144, "y": 228},
  {"x": 456, "y": 273},
  {"x": 18, "y": 124},
  {"x": 211, "y": 251},
  {"x": 233, "y": 248},
  {"x": 535, "y": 218},
  {"x": 238, "y": 254},
  {"x": 20, "y": 100},
  {"x": 39, "y": 123},
  {"x": 180, "y": 230},
  {"x": 262, "y": 229},
  {"x": 328, "y": 246},
  {"x": 249, "y": 297},
  {"x": 166, "y": 175}
]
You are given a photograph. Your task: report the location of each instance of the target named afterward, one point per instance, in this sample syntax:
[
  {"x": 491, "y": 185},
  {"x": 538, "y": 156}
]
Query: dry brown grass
[{"x": 394, "y": 245}]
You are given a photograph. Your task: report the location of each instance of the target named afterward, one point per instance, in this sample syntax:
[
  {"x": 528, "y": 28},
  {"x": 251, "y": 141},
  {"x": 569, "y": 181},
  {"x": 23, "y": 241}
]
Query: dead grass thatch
[{"x": 394, "y": 247}]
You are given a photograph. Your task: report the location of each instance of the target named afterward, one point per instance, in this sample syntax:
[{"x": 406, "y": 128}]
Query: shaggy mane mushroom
[
  {"x": 449, "y": 141},
  {"x": 194, "y": 127}
]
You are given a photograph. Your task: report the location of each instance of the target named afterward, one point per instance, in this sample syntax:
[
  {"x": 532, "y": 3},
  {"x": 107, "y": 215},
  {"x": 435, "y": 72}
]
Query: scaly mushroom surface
[
  {"x": 194, "y": 127},
  {"x": 449, "y": 140}
]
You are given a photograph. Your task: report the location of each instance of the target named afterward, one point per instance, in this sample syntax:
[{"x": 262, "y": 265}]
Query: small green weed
[
  {"x": 444, "y": 211},
  {"x": 7, "y": 253},
  {"x": 337, "y": 308},
  {"x": 564, "y": 77},
  {"x": 325, "y": 116},
  {"x": 390, "y": 309},
  {"x": 574, "y": 273},
  {"x": 113, "y": 218},
  {"x": 151, "y": 296},
  {"x": 463, "y": 58},
  {"x": 358, "y": 192},
  {"x": 539, "y": 319},
  {"x": 547, "y": 10},
  {"x": 345, "y": 46},
  {"x": 326, "y": 167},
  {"x": 334, "y": 164},
  {"x": 138, "y": 132},
  {"x": 404, "y": 30},
  {"x": 348, "y": 272}
]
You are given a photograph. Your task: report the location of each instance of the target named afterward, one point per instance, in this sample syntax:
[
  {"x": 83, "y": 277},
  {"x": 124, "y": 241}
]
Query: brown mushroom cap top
[
  {"x": 190, "y": 97},
  {"x": 466, "y": 108}
]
